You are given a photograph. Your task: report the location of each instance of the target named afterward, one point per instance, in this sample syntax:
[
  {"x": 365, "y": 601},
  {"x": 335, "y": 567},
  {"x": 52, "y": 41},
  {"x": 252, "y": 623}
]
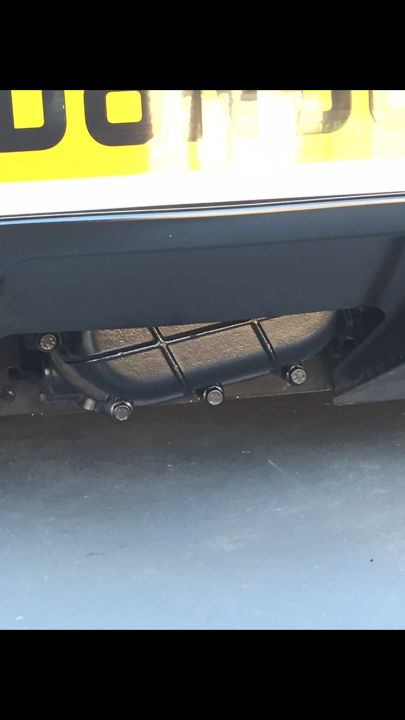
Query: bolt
[
  {"x": 88, "y": 404},
  {"x": 8, "y": 395},
  {"x": 121, "y": 410},
  {"x": 48, "y": 342},
  {"x": 214, "y": 396},
  {"x": 297, "y": 375}
]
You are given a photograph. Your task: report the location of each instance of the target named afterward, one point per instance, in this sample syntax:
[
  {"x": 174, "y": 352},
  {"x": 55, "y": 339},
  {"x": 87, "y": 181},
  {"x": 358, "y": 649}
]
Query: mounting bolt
[
  {"x": 297, "y": 375},
  {"x": 88, "y": 404},
  {"x": 8, "y": 395},
  {"x": 48, "y": 343},
  {"x": 121, "y": 410},
  {"x": 214, "y": 396}
]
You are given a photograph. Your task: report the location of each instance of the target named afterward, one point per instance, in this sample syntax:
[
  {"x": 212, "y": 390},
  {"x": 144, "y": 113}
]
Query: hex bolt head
[
  {"x": 297, "y": 375},
  {"x": 121, "y": 411},
  {"x": 88, "y": 404},
  {"x": 8, "y": 395},
  {"x": 214, "y": 396},
  {"x": 48, "y": 343}
]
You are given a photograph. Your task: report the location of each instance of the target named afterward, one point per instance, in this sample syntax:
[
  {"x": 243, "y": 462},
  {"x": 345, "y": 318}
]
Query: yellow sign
[{"x": 68, "y": 134}]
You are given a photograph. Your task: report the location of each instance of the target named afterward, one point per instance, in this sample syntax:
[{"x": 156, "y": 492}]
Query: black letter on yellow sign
[
  {"x": 116, "y": 134},
  {"x": 14, "y": 139},
  {"x": 236, "y": 100},
  {"x": 339, "y": 113}
]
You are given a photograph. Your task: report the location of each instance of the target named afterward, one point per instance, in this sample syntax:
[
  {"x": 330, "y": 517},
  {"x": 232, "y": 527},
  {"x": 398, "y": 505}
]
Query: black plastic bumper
[{"x": 192, "y": 265}]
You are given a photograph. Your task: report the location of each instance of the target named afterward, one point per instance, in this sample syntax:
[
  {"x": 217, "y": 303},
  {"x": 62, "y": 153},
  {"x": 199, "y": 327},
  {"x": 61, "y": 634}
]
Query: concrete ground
[{"x": 283, "y": 513}]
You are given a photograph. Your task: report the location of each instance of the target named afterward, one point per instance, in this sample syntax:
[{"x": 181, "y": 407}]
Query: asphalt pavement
[{"x": 280, "y": 513}]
